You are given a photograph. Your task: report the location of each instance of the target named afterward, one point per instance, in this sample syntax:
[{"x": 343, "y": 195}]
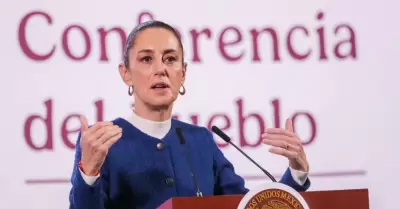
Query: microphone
[
  {"x": 226, "y": 138},
  {"x": 195, "y": 182}
]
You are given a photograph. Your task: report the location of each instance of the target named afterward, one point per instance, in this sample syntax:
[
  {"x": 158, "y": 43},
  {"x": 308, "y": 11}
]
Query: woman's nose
[{"x": 159, "y": 68}]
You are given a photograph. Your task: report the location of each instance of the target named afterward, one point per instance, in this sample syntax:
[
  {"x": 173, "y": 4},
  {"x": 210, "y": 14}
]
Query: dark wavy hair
[{"x": 149, "y": 24}]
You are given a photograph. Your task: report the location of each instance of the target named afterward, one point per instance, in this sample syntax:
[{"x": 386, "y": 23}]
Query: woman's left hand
[{"x": 285, "y": 142}]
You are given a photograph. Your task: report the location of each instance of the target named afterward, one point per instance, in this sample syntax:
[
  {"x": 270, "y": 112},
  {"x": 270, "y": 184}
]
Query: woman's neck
[{"x": 153, "y": 114}]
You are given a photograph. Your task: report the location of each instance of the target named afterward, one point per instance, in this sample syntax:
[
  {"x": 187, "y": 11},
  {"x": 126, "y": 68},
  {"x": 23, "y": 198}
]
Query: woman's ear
[
  {"x": 125, "y": 74},
  {"x": 184, "y": 72}
]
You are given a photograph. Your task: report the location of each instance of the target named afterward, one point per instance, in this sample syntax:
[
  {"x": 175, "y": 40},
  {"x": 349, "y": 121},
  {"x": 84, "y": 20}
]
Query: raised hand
[
  {"x": 285, "y": 142},
  {"x": 95, "y": 143}
]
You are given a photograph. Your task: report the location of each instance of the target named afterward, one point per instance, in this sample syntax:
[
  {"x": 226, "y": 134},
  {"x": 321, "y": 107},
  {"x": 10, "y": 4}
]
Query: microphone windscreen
[{"x": 220, "y": 133}]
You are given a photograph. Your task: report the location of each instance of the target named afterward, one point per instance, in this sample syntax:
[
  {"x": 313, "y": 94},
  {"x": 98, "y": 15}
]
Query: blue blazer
[{"x": 143, "y": 172}]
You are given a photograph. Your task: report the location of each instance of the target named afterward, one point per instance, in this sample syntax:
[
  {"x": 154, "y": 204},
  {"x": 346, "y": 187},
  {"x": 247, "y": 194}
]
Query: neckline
[
  {"x": 153, "y": 128},
  {"x": 130, "y": 129}
]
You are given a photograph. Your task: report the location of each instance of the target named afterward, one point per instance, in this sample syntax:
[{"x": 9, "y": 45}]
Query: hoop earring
[
  {"x": 182, "y": 90},
  {"x": 130, "y": 90}
]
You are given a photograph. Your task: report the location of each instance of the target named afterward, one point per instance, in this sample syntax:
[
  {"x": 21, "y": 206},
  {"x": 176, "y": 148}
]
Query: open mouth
[{"x": 160, "y": 86}]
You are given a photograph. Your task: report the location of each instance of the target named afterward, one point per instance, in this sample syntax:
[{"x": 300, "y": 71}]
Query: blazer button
[
  {"x": 169, "y": 181},
  {"x": 160, "y": 146}
]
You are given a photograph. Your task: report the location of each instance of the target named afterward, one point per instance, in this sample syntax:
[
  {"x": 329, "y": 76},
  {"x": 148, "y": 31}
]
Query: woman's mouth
[{"x": 160, "y": 86}]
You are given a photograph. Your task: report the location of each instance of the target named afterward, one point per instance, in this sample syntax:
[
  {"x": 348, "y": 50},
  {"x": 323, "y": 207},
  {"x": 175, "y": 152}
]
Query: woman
[{"x": 139, "y": 162}]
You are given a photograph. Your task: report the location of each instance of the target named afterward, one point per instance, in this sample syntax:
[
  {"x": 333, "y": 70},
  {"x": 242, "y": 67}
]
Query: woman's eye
[
  {"x": 170, "y": 59},
  {"x": 146, "y": 59}
]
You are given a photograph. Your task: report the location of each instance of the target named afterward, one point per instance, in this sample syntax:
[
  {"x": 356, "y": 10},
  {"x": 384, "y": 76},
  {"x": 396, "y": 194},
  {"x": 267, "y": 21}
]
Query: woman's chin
[{"x": 162, "y": 101}]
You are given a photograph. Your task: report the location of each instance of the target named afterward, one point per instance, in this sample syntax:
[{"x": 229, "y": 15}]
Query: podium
[{"x": 337, "y": 199}]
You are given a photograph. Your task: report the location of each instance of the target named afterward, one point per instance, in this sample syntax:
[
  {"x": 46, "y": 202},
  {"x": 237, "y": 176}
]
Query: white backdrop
[{"x": 335, "y": 61}]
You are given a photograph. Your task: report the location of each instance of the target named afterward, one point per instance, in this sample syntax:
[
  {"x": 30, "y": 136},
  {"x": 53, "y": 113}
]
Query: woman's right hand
[{"x": 95, "y": 143}]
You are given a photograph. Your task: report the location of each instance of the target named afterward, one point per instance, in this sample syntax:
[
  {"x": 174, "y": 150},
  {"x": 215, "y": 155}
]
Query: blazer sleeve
[
  {"x": 226, "y": 181},
  {"x": 287, "y": 179},
  {"x": 82, "y": 195}
]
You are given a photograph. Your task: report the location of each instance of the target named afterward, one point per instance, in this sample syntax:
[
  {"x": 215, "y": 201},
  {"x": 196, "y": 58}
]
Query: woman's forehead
[{"x": 156, "y": 39}]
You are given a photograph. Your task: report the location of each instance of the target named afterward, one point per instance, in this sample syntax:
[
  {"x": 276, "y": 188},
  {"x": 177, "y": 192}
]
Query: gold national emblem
[{"x": 273, "y": 199}]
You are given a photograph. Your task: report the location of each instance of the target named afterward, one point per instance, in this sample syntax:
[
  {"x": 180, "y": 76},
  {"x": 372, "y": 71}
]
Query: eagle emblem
[{"x": 276, "y": 204}]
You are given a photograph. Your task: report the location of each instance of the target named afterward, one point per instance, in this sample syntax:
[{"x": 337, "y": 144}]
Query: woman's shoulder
[
  {"x": 189, "y": 127},
  {"x": 121, "y": 122},
  {"x": 186, "y": 127},
  {"x": 183, "y": 124}
]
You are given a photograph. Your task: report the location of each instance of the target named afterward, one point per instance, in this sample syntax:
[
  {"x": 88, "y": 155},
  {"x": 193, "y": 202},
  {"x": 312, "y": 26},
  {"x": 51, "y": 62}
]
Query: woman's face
[{"x": 155, "y": 69}]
